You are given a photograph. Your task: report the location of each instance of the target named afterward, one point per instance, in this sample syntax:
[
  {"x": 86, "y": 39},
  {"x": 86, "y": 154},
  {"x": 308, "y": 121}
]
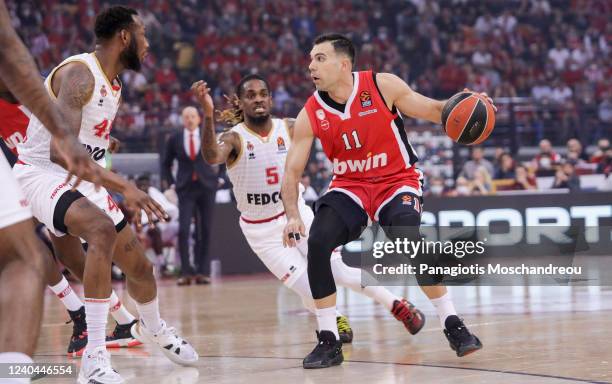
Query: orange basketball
[{"x": 468, "y": 118}]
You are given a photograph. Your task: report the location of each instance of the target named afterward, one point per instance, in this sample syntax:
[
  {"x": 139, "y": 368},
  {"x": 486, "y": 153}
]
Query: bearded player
[
  {"x": 22, "y": 255},
  {"x": 255, "y": 149},
  {"x": 14, "y": 120},
  {"x": 355, "y": 115},
  {"x": 87, "y": 90}
]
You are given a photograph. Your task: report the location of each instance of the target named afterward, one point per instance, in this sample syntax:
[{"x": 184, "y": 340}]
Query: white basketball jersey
[
  {"x": 96, "y": 121},
  {"x": 257, "y": 173}
]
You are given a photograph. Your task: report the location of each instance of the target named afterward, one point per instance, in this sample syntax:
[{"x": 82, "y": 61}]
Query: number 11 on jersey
[{"x": 347, "y": 143}]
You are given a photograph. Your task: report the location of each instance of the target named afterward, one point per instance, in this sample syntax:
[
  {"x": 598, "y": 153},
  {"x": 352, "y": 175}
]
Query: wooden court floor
[{"x": 253, "y": 330}]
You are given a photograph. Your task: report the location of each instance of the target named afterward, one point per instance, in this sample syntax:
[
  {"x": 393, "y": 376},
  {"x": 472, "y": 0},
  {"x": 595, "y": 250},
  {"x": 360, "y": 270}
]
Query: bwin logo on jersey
[{"x": 362, "y": 165}]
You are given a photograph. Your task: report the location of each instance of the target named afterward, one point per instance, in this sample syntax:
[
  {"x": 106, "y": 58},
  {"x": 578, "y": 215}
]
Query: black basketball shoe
[
  {"x": 78, "y": 340},
  {"x": 459, "y": 337},
  {"x": 344, "y": 329},
  {"x": 122, "y": 336},
  {"x": 327, "y": 353}
]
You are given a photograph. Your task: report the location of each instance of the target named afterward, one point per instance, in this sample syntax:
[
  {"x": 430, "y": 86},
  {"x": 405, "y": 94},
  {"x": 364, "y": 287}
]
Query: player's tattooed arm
[
  {"x": 73, "y": 84},
  {"x": 397, "y": 93},
  {"x": 226, "y": 148}
]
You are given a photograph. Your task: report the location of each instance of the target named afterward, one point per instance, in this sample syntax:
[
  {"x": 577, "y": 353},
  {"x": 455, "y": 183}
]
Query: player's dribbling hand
[
  {"x": 485, "y": 95},
  {"x": 293, "y": 232},
  {"x": 78, "y": 162},
  {"x": 202, "y": 93},
  {"x": 139, "y": 201}
]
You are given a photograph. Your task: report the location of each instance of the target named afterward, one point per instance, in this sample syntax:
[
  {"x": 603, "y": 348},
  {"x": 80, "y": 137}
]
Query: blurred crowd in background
[{"x": 545, "y": 62}]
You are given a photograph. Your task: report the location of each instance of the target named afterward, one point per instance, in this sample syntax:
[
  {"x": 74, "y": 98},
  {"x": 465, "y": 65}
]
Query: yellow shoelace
[{"x": 343, "y": 324}]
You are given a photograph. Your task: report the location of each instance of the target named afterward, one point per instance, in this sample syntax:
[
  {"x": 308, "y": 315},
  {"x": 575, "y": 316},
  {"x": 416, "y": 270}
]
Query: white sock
[
  {"x": 15, "y": 358},
  {"x": 96, "y": 313},
  {"x": 118, "y": 310},
  {"x": 444, "y": 306},
  {"x": 149, "y": 314},
  {"x": 338, "y": 314},
  {"x": 381, "y": 295},
  {"x": 326, "y": 319},
  {"x": 64, "y": 292}
]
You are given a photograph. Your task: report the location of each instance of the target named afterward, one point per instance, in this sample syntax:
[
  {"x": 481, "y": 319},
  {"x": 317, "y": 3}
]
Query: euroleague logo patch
[
  {"x": 280, "y": 142},
  {"x": 366, "y": 100}
]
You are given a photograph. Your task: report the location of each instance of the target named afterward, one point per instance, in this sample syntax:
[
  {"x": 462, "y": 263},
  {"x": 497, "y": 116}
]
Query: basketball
[{"x": 468, "y": 118}]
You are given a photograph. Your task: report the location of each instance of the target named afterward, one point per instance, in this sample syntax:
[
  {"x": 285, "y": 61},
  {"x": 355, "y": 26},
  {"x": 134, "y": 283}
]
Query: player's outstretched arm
[
  {"x": 214, "y": 151},
  {"x": 21, "y": 77},
  {"x": 410, "y": 103},
  {"x": 294, "y": 167}
]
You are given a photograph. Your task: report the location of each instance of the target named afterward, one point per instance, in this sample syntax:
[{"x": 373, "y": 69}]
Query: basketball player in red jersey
[
  {"x": 22, "y": 260},
  {"x": 14, "y": 121},
  {"x": 261, "y": 220},
  {"x": 355, "y": 115}
]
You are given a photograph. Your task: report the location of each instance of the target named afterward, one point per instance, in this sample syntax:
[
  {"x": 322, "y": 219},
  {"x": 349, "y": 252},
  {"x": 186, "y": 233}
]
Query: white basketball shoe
[
  {"x": 96, "y": 368},
  {"x": 172, "y": 345}
]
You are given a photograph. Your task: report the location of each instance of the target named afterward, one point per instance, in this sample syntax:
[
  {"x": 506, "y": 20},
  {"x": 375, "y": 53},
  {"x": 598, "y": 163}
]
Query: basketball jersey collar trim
[
  {"x": 114, "y": 89},
  {"x": 257, "y": 135},
  {"x": 349, "y": 103}
]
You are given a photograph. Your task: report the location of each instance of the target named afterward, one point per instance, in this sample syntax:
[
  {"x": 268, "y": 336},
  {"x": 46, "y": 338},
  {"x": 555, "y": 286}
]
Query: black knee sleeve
[{"x": 327, "y": 232}]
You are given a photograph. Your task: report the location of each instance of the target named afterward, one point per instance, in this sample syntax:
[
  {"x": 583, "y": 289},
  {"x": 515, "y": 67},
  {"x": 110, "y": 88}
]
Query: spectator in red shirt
[{"x": 523, "y": 180}]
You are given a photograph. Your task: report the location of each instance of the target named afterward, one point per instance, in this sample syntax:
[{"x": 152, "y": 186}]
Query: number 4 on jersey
[
  {"x": 103, "y": 129},
  {"x": 112, "y": 206}
]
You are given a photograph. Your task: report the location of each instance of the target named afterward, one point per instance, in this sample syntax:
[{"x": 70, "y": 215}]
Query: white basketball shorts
[
  {"x": 44, "y": 190},
  {"x": 266, "y": 240}
]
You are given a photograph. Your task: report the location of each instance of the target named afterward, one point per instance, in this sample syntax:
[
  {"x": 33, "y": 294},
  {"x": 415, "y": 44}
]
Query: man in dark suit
[{"x": 196, "y": 186}]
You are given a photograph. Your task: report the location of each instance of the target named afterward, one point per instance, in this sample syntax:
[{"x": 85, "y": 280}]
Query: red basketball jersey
[
  {"x": 14, "y": 120},
  {"x": 363, "y": 139}
]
